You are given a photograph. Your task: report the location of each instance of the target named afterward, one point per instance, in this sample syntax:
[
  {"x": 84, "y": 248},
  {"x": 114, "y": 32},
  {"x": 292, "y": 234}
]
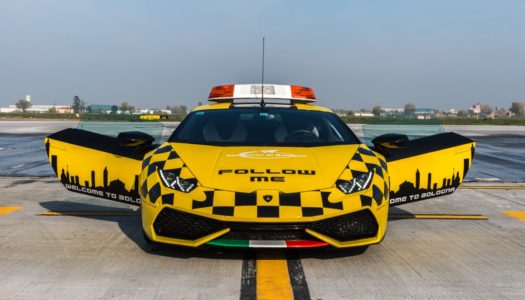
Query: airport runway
[
  {"x": 499, "y": 153},
  {"x": 55, "y": 244}
]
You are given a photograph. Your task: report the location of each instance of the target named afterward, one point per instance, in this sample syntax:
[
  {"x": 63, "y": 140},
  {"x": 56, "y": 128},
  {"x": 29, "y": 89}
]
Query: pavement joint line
[
  {"x": 5, "y": 210},
  {"x": 248, "y": 276},
  {"x": 297, "y": 278},
  {"x": 520, "y": 215},
  {"x": 499, "y": 196}
]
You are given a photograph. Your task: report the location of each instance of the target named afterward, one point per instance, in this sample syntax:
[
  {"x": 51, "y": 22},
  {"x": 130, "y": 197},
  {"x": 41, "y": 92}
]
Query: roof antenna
[{"x": 262, "y": 77}]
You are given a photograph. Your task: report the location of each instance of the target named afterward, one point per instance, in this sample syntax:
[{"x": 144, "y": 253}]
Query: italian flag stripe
[
  {"x": 230, "y": 243},
  {"x": 305, "y": 244},
  {"x": 266, "y": 244}
]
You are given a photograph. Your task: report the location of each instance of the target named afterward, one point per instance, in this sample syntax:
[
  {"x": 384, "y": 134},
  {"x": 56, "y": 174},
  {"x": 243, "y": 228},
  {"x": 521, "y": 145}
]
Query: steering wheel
[{"x": 301, "y": 135}]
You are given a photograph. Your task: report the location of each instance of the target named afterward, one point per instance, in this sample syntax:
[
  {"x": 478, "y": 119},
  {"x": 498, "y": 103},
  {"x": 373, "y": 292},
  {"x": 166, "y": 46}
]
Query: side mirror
[
  {"x": 134, "y": 138},
  {"x": 390, "y": 141}
]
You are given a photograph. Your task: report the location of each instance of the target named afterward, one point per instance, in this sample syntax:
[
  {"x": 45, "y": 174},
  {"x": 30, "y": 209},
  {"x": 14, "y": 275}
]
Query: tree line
[
  {"x": 80, "y": 106},
  {"x": 517, "y": 108}
]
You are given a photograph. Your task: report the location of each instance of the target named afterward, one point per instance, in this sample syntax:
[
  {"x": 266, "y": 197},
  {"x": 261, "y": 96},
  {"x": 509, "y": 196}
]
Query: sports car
[{"x": 261, "y": 166}]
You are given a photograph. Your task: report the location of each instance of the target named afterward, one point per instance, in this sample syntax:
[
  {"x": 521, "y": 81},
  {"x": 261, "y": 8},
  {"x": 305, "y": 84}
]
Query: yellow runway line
[
  {"x": 89, "y": 213},
  {"x": 461, "y": 217},
  {"x": 437, "y": 217},
  {"x": 5, "y": 210},
  {"x": 520, "y": 215},
  {"x": 492, "y": 187},
  {"x": 273, "y": 279}
]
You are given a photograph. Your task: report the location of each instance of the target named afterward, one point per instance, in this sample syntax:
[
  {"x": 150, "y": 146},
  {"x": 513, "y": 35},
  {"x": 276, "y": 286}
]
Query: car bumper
[{"x": 353, "y": 229}]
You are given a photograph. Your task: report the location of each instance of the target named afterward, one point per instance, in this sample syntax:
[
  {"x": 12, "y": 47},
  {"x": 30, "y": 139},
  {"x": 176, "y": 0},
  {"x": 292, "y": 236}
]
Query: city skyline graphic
[
  {"x": 115, "y": 186},
  {"x": 407, "y": 188}
]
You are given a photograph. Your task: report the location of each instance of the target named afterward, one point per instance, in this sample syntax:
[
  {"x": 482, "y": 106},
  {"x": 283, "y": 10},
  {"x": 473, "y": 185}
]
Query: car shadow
[
  {"x": 396, "y": 214},
  {"x": 129, "y": 223}
]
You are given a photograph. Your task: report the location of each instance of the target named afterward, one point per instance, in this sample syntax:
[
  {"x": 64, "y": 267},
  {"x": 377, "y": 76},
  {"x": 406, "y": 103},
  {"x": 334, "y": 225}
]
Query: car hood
[{"x": 246, "y": 169}]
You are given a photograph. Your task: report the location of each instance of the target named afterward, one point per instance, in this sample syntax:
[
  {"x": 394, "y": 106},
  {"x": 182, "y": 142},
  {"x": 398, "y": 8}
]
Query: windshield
[{"x": 256, "y": 126}]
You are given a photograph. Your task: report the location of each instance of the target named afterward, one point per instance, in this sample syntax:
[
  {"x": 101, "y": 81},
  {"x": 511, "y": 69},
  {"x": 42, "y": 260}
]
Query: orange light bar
[
  {"x": 301, "y": 92},
  {"x": 222, "y": 91}
]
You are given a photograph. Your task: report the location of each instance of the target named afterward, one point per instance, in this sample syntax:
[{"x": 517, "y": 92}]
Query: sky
[{"x": 354, "y": 54}]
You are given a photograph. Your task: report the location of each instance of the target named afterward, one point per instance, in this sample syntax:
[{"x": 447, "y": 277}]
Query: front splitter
[{"x": 267, "y": 243}]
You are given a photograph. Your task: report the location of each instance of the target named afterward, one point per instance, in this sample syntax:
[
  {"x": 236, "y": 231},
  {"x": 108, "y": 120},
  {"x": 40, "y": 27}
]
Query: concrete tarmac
[
  {"x": 35, "y": 126},
  {"x": 101, "y": 254}
]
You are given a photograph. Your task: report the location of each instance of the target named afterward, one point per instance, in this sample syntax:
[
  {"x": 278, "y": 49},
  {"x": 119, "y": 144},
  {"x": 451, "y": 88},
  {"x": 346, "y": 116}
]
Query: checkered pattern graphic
[
  {"x": 163, "y": 158},
  {"x": 263, "y": 204},
  {"x": 365, "y": 160}
]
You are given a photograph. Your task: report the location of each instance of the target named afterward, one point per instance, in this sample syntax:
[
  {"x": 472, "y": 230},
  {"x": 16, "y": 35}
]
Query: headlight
[
  {"x": 359, "y": 183},
  {"x": 172, "y": 180}
]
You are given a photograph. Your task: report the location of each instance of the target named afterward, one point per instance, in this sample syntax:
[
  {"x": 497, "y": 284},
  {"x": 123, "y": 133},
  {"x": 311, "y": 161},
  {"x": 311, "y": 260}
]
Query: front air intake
[
  {"x": 178, "y": 225},
  {"x": 354, "y": 226}
]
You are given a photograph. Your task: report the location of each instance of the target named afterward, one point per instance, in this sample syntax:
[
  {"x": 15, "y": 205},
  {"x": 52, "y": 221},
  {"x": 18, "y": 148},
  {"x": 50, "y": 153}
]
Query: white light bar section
[
  {"x": 253, "y": 91},
  {"x": 271, "y": 91}
]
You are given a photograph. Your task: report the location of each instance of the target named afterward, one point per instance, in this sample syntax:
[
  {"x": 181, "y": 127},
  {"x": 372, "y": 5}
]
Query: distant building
[
  {"x": 341, "y": 112},
  {"x": 99, "y": 108},
  {"x": 424, "y": 113},
  {"x": 38, "y": 108},
  {"x": 9, "y": 109},
  {"x": 503, "y": 113},
  {"x": 475, "y": 109},
  {"x": 363, "y": 114},
  {"x": 62, "y": 109},
  {"x": 392, "y": 112}
]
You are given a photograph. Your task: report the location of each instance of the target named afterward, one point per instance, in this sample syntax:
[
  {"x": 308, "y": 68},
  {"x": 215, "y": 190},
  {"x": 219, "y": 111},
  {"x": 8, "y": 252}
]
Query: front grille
[
  {"x": 267, "y": 235},
  {"x": 178, "y": 225},
  {"x": 358, "y": 225}
]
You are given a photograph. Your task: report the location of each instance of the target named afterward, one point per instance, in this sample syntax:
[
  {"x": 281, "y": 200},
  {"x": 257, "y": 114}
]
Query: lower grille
[
  {"x": 358, "y": 225},
  {"x": 267, "y": 235},
  {"x": 178, "y": 225}
]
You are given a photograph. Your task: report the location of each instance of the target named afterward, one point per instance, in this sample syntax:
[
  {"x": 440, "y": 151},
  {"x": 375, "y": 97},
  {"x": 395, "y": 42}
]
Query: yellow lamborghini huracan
[{"x": 262, "y": 166}]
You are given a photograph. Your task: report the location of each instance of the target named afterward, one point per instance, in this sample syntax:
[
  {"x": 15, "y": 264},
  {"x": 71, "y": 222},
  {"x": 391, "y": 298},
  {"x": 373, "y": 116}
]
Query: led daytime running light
[
  {"x": 177, "y": 183},
  {"x": 359, "y": 183}
]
